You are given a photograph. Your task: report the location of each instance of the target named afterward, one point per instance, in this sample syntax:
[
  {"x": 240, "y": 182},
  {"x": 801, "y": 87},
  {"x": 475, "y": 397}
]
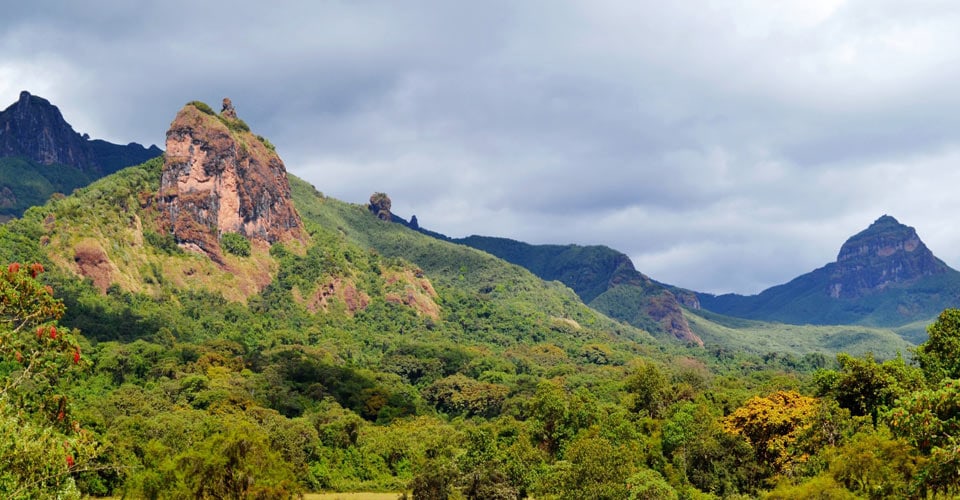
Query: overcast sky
[{"x": 724, "y": 146}]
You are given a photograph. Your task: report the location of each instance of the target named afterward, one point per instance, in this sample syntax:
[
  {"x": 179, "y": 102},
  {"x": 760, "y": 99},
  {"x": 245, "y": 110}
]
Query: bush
[
  {"x": 269, "y": 145},
  {"x": 163, "y": 242},
  {"x": 202, "y": 106},
  {"x": 235, "y": 124},
  {"x": 235, "y": 244}
]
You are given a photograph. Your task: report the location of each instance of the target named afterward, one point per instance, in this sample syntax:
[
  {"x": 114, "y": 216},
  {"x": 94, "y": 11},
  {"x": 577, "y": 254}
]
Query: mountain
[
  {"x": 41, "y": 154},
  {"x": 218, "y": 219},
  {"x": 215, "y": 306},
  {"x": 883, "y": 276},
  {"x": 604, "y": 278}
]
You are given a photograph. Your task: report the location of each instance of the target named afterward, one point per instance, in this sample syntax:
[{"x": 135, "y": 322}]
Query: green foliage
[
  {"x": 39, "y": 444},
  {"x": 203, "y": 107},
  {"x": 650, "y": 389},
  {"x": 236, "y": 244},
  {"x": 235, "y": 125},
  {"x": 875, "y": 465},
  {"x": 648, "y": 484},
  {"x": 269, "y": 145},
  {"x": 164, "y": 243},
  {"x": 24, "y": 183},
  {"x": 939, "y": 356},
  {"x": 512, "y": 389},
  {"x": 796, "y": 341},
  {"x": 866, "y": 387}
]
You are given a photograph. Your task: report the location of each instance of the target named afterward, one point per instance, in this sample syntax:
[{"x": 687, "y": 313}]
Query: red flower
[
  {"x": 19, "y": 357},
  {"x": 60, "y": 416},
  {"x": 49, "y": 289},
  {"x": 76, "y": 356},
  {"x": 13, "y": 268},
  {"x": 53, "y": 332},
  {"x": 70, "y": 462},
  {"x": 35, "y": 269}
]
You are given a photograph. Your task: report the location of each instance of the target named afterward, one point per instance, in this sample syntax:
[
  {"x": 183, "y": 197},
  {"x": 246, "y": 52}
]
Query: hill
[
  {"x": 602, "y": 277},
  {"x": 128, "y": 236},
  {"x": 41, "y": 154},
  {"x": 228, "y": 330},
  {"x": 883, "y": 276}
]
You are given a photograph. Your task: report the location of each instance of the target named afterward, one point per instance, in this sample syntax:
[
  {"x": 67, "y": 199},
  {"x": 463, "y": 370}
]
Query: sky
[{"x": 724, "y": 146}]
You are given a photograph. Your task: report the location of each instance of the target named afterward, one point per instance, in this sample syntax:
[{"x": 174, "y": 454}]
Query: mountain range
[
  {"x": 884, "y": 276},
  {"x": 41, "y": 154}
]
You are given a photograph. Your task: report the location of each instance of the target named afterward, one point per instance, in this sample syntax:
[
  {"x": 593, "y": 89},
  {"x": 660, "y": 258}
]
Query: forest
[{"x": 460, "y": 376}]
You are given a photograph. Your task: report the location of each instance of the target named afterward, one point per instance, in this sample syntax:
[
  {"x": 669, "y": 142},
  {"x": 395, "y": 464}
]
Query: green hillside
[
  {"x": 884, "y": 276},
  {"x": 374, "y": 358},
  {"x": 24, "y": 184},
  {"x": 760, "y": 337}
]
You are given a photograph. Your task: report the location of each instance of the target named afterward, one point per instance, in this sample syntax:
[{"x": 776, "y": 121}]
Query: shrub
[
  {"x": 163, "y": 242},
  {"x": 269, "y": 145},
  {"x": 202, "y": 106},
  {"x": 235, "y": 244}
]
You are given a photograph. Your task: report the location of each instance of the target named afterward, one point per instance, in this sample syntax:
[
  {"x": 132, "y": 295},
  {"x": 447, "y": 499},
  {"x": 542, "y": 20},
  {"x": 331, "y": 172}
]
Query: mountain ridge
[
  {"x": 883, "y": 276},
  {"x": 41, "y": 154}
]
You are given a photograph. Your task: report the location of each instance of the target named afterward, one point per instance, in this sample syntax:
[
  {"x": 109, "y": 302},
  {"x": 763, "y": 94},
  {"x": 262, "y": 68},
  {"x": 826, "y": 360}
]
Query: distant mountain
[
  {"x": 883, "y": 276},
  {"x": 218, "y": 219},
  {"x": 602, "y": 277},
  {"x": 41, "y": 154}
]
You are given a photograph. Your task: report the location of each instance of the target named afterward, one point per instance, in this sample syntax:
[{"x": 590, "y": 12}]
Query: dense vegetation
[
  {"x": 24, "y": 183},
  {"x": 380, "y": 359}
]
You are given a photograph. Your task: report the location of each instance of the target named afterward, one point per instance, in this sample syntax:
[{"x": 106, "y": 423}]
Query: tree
[
  {"x": 649, "y": 388},
  {"x": 939, "y": 356},
  {"x": 930, "y": 421},
  {"x": 648, "y": 484},
  {"x": 772, "y": 425},
  {"x": 866, "y": 387},
  {"x": 40, "y": 446}
]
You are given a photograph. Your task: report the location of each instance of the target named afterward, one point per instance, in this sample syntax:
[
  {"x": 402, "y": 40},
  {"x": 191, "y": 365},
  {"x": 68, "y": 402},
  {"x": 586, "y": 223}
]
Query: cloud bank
[{"x": 724, "y": 146}]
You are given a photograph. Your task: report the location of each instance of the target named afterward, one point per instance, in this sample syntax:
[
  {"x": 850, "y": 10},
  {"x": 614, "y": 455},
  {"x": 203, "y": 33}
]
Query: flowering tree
[{"x": 40, "y": 446}]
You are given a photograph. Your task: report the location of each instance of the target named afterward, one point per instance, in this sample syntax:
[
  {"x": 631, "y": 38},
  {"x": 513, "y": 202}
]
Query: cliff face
[
  {"x": 219, "y": 178},
  {"x": 885, "y": 253},
  {"x": 34, "y": 129}
]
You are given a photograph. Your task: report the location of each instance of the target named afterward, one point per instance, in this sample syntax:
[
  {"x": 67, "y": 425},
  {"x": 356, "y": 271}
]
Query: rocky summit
[
  {"x": 219, "y": 178},
  {"x": 883, "y": 276},
  {"x": 885, "y": 253},
  {"x": 34, "y": 129}
]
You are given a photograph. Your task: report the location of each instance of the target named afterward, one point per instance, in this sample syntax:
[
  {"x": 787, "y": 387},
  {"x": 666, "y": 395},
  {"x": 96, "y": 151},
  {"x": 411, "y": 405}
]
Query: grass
[{"x": 762, "y": 337}]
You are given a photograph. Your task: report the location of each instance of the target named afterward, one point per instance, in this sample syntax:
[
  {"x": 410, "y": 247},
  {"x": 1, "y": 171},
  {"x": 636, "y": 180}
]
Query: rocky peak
[
  {"x": 35, "y": 129},
  {"x": 887, "y": 252},
  {"x": 219, "y": 178}
]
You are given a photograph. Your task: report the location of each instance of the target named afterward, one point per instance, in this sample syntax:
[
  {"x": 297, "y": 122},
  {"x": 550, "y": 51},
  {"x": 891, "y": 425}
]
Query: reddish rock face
[{"x": 219, "y": 178}]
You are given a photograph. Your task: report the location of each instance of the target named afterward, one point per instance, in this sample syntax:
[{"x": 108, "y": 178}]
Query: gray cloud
[{"x": 724, "y": 147}]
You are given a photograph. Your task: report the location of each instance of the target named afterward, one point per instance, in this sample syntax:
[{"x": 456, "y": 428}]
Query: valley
[{"x": 202, "y": 324}]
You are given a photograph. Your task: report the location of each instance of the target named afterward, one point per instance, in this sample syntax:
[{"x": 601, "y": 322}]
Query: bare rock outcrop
[
  {"x": 380, "y": 206},
  {"x": 219, "y": 178},
  {"x": 885, "y": 253}
]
